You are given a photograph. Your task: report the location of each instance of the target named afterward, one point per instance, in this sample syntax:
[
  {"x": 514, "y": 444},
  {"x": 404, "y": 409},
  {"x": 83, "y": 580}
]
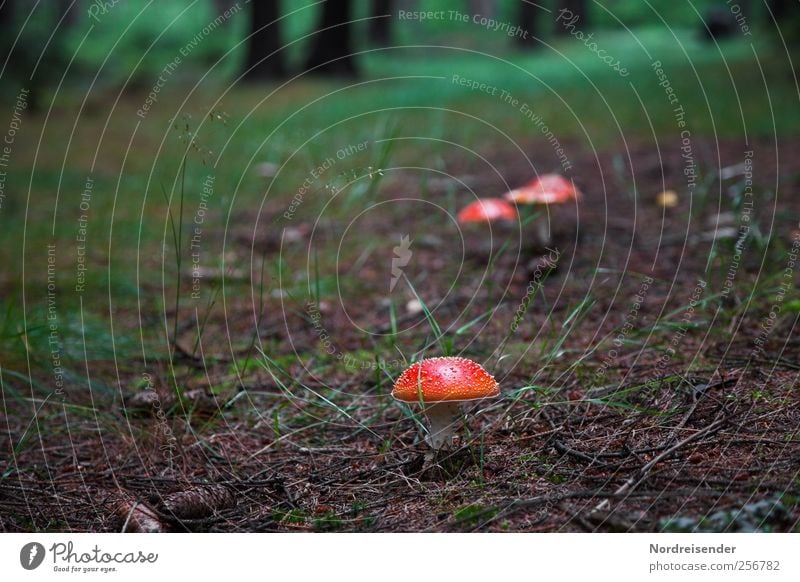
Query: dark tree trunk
[
  {"x": 72, "y": 12},
  {"x": 747, "y": 8},
  {"x": 6, "y": 15},
  {"x": 380, "y": 25},
  {"x": 528, "y": 19},
  {"x": 332, "y": 52},
  {"x": 264, "y": 57},
  {"x": 482, "y": 7},
  {"x": 779, "y": 8},
  {"x": 787, "y": 17},
  {"x": 6, "y": 22},
  {"x": 568, "y": 9}
]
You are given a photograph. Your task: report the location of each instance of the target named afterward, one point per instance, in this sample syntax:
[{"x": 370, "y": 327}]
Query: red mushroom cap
[
  {"x": 487, "y": 210},
  {"x": 448, "y": 379},
  {"x": 546, "y": 189}
]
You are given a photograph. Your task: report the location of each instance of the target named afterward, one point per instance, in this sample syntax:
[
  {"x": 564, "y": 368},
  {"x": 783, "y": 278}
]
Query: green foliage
[
  {"x": 471, "y": 516},
  {"x": 136, "y": 39},
  {"x": 328, "y": 521},
  {"x": 140, "y": 38},
  {"x": 765, "y": 515},
  {"x": 635, "y": 13},
  {"x": 292, "y": 517}
]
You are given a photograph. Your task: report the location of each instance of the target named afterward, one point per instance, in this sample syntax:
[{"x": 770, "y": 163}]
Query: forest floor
[{"x": 649, "y": 382}]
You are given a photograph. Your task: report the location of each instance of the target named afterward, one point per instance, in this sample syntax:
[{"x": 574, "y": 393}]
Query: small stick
[{"x": 638, "y": 478}]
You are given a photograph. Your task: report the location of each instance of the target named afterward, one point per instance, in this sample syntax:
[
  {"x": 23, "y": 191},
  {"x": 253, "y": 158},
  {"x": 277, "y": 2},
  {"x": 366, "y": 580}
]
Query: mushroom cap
[
  {"x": 487, "y": 210},
  {"x": 445, "y": 379},
  {"x": 667, "y": 199},
  {"x": 546, "y": 189}
]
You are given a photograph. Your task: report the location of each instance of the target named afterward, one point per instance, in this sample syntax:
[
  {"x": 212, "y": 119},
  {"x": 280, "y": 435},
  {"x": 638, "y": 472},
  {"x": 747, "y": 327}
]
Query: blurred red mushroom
[
  {"x": 545, "y": 190},
  {"x": 487, "y": 210}
]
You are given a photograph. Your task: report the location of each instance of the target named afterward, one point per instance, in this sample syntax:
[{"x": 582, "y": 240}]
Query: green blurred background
[{"x": 91, "y": 76}]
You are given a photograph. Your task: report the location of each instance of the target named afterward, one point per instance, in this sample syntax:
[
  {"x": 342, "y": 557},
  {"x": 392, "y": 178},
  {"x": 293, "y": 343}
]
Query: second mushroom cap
[
  {"x": 487, "y": 210},
  {"x": 545, "y": 189}
]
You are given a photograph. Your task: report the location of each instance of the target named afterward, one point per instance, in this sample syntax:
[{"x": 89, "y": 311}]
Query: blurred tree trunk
[
  {"x": 577, "y": 8},
  {"x": 6, "y": 23},
  {"x": 779, "y": 8},
  {"x": 71, "y": 10},
  {"x": 527, "y": 19},
  {"x": 482, "y": 7},
  {"x": 380, "y": 26},
  {"x": 787, "y": 17},
  {"x": 264, "y": 58},
  {"x": 747, "y": 7},
  {"x": 332, "y": 52},
  {"x": 6, "y": 15},
  {"x": 222, "y": 5}
]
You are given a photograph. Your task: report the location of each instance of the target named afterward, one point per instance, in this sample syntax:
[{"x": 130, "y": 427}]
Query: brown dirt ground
[{"x": 710, "y": 428}]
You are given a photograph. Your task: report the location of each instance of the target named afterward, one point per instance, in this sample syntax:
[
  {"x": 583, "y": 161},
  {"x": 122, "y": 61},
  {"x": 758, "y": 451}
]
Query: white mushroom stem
[
  {"x": 443, "y": 417},
  {"x": 543, "y": 230}
]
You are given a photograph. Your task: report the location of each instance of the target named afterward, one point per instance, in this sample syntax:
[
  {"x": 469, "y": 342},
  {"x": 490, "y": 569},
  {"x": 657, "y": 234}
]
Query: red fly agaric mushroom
[
  {"x": 487, "y": 210},
  {"x": 546, "y": 189},
  {"x": 439, "y": 385}
]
